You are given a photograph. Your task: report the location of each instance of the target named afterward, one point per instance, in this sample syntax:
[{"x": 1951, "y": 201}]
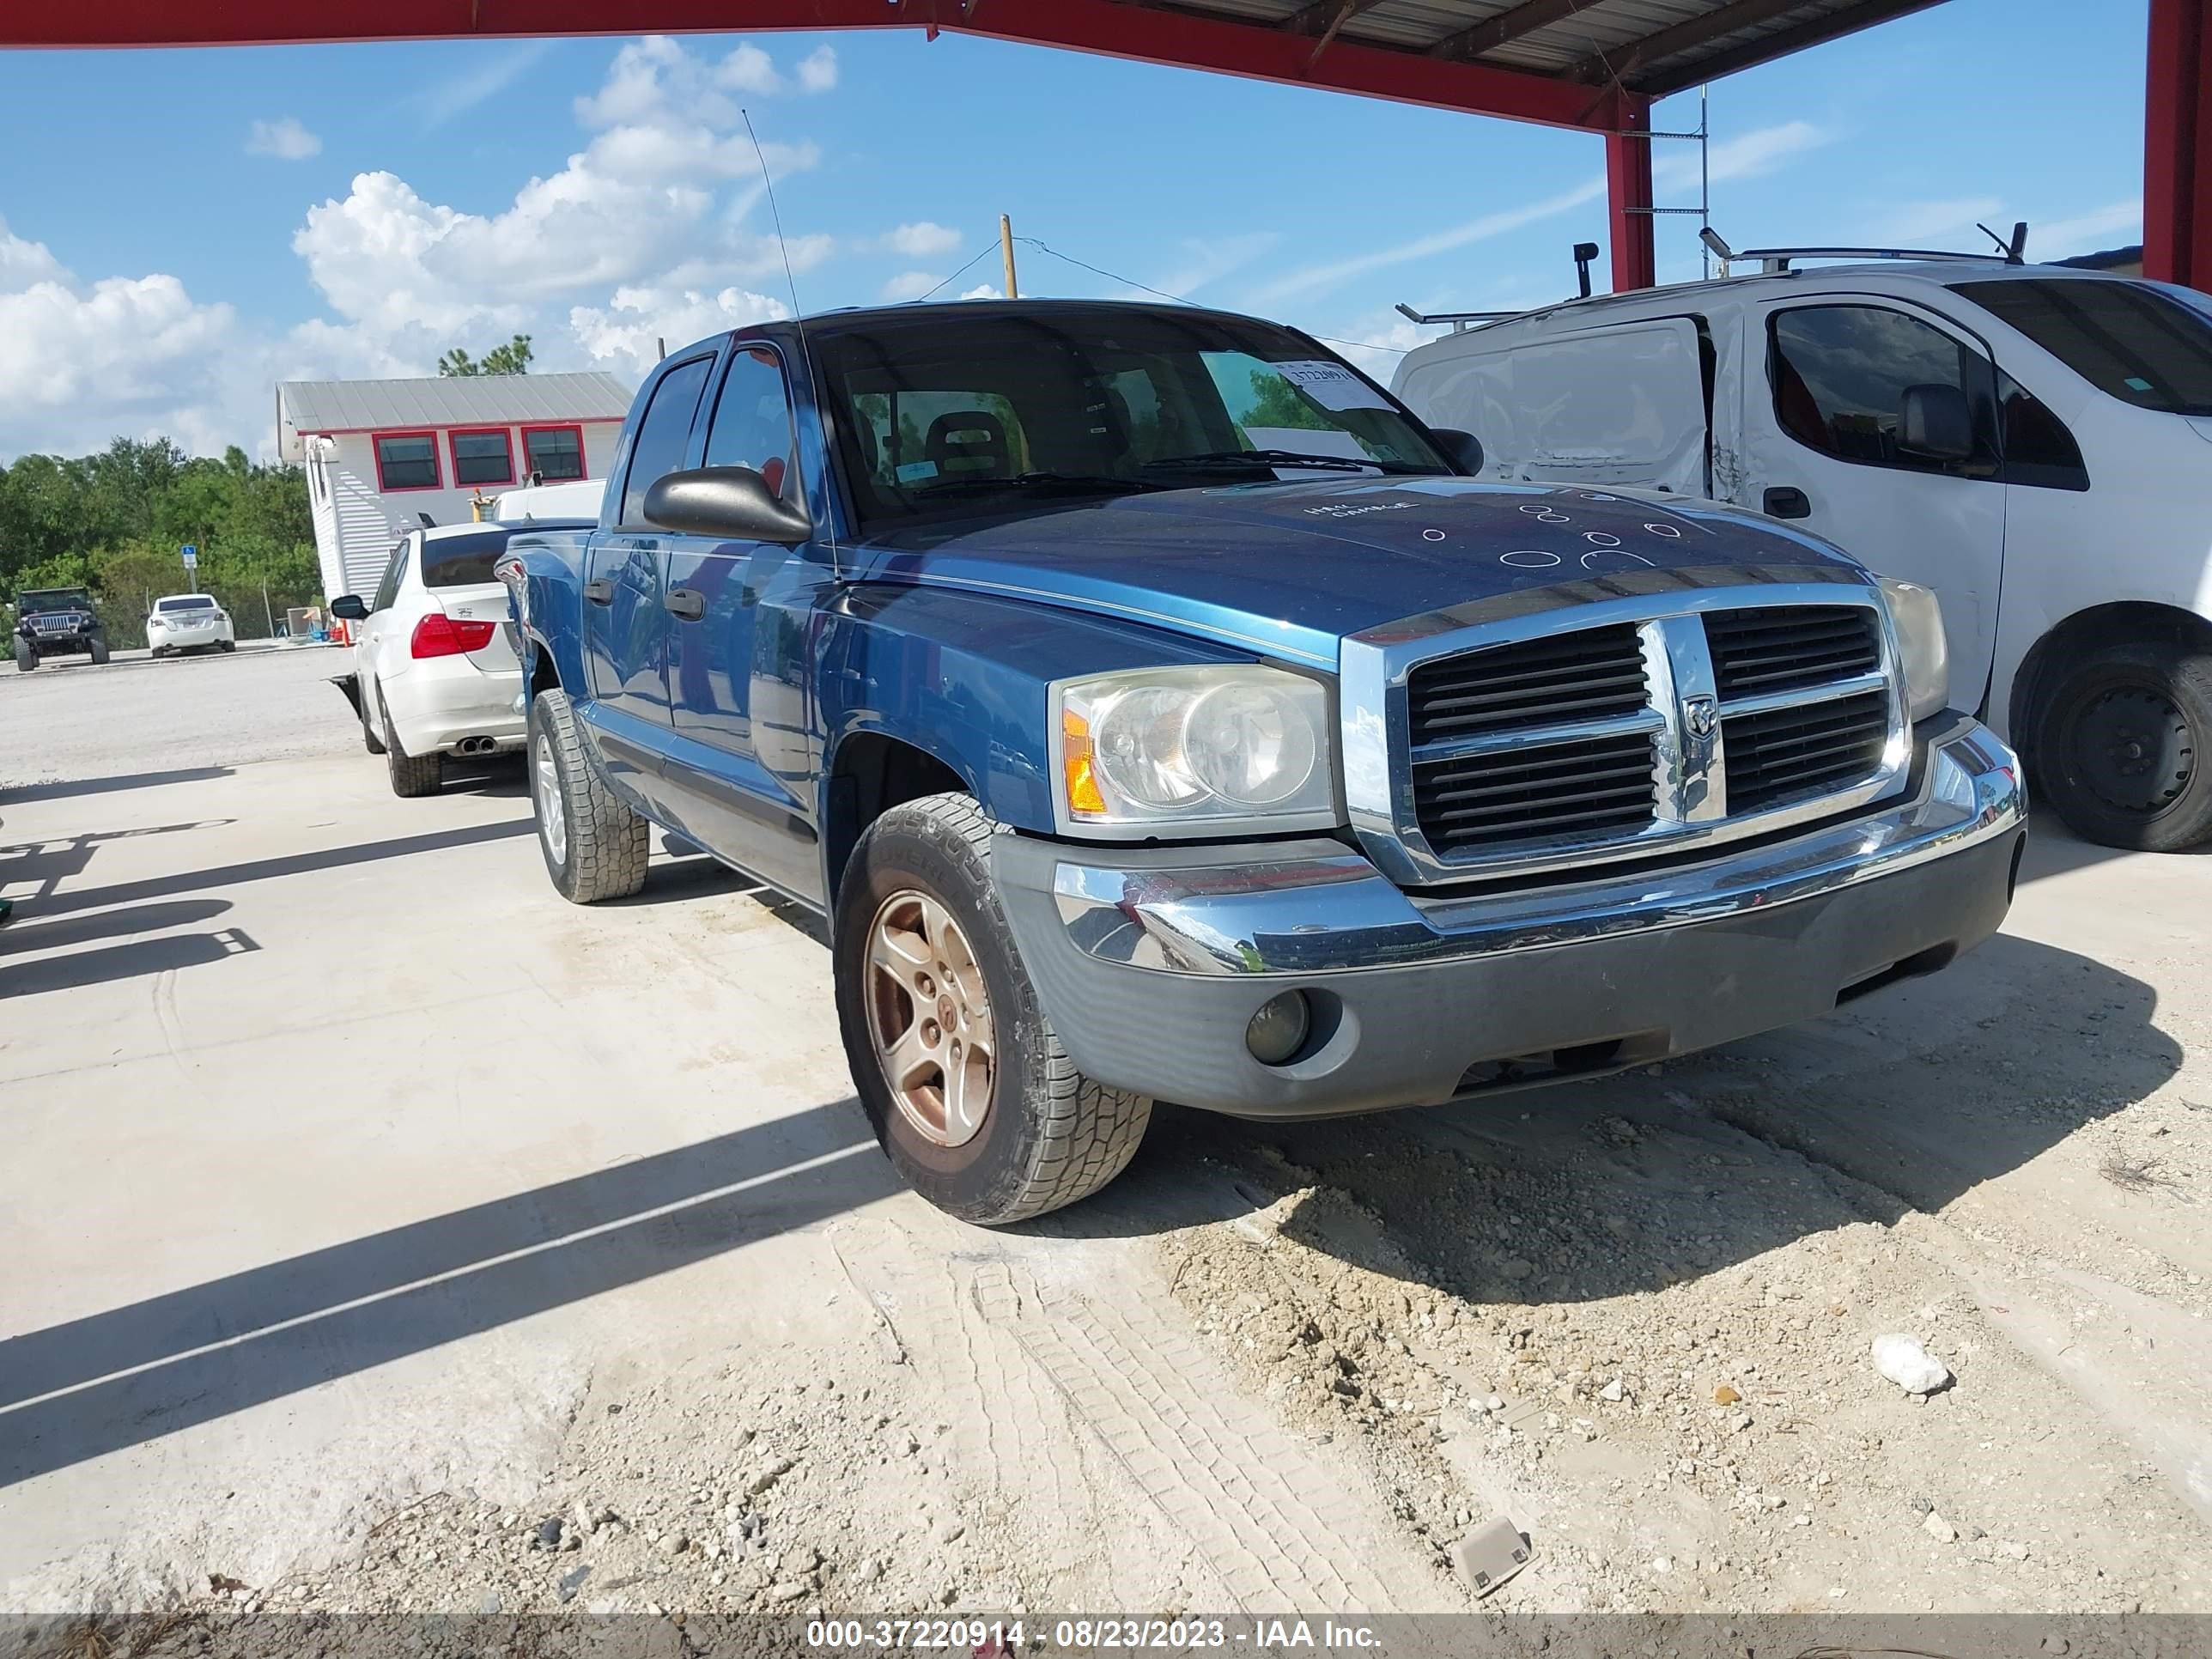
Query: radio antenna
[{"x": 791, "y": 282}]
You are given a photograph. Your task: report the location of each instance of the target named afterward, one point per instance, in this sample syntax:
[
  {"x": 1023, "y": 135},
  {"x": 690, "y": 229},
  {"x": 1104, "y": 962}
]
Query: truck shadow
[
  {"x": 130, "y": 1374},
  {"x": 1905, "y": 1101}
]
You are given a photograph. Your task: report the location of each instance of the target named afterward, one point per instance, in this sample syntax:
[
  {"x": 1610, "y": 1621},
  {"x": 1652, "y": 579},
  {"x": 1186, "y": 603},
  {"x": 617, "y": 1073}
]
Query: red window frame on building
[
  {"x": 376, "y": 449},
  {"x": 504, "y": 435},
  {"x": 583, "y": 460}
]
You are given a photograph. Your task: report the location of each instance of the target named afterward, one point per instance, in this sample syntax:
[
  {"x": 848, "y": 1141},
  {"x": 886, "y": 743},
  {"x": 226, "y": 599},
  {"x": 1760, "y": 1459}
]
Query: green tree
[
  {"x": 1276, "y": 402},
  {"x": 512, "y": 358}
]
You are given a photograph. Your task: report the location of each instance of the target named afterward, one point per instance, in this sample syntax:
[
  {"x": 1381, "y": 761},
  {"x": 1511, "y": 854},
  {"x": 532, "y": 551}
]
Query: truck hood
[{"x": 1291, "y": 568}]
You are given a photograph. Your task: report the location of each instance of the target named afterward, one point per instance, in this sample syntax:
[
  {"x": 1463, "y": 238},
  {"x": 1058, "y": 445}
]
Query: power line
[{"x": 954, "y": 278}]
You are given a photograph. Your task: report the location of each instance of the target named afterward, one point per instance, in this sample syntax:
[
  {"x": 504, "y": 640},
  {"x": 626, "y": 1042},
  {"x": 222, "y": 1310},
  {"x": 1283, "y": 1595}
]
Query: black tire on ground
[
  {"x": 1049, "y": 1136},
  {"x": 412, "y": 775},
  {"x": 228, "y": 647},
  {"x": 2122, "y": 744},
  {"x": 369, "y": 740},
  {"x": 601, "y": 846},
  {"x": 100, "y": 651},
  {"x": 26, "y": 659},
  {"x": 158, "y": 653}
]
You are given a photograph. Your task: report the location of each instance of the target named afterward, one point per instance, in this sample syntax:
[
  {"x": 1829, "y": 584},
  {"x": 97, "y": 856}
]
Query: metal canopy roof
[
  {"x": 1649, "y": 46},
  {"x": 450, "y": 400}
]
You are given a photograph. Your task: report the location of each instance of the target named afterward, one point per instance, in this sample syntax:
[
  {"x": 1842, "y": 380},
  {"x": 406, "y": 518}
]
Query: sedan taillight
[{"x": 439, "y": 635}]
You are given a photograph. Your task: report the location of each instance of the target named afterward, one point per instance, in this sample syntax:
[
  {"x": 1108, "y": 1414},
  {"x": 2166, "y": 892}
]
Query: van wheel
[
  {"x": 969, "y": 1091},
  {"x": 412, "y": 775},
  {"x": 596, "y": 847},
  {"x": 2124, "y": 746}
]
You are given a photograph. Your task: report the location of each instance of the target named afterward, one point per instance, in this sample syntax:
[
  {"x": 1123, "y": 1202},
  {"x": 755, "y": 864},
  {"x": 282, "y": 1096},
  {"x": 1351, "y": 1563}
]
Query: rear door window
[
  {"x": 664, "y": 435},
  {"x": 2130, "y": 342}
]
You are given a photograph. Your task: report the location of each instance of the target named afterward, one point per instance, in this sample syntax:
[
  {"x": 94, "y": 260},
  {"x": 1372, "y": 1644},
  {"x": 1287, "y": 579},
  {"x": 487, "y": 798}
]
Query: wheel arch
[
  {"x": 2084, "y": 633},
  {"x": 867, "y": 772}
]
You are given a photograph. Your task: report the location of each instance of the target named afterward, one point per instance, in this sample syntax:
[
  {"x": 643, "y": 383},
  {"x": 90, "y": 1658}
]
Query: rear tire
[
  {"x": 2124, "y": 746},
  {"x": 412, "y": 775},
  {"x": 596, "y": 846},
  {"x": 228, "y": 647},
  {"x": 1047, "y": 1135}
]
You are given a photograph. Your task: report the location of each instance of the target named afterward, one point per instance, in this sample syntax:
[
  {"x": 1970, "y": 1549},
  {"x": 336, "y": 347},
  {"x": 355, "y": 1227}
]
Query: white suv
[{"x": 2032, "y": 442}]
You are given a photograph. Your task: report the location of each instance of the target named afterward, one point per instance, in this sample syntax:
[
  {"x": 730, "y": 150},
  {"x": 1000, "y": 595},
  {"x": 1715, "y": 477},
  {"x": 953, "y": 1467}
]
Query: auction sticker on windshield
[{"x": 1331, "y": 384}]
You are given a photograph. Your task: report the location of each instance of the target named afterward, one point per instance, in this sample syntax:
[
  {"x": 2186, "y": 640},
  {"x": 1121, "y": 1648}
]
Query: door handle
[
  {"x": 601, "y": 592},
  {"x": 1788, "y": 503},
  {"x": 688, "y": 604}
]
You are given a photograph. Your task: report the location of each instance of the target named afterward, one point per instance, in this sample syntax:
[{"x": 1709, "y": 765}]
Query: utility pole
[{"x": 1006, "y": 253}]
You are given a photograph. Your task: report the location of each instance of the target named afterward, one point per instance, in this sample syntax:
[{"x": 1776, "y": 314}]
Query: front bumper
[{"x": 1151, "y": 962}]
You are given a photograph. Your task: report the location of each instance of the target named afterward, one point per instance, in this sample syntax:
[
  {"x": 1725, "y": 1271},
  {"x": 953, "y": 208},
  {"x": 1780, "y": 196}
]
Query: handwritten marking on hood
[
  {"x": 1528, "y": 558},
  {"x": 1353, "y": 509}
]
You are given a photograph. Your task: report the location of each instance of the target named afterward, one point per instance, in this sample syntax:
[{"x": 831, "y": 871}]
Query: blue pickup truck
[{"x": 1156, "y": 709}]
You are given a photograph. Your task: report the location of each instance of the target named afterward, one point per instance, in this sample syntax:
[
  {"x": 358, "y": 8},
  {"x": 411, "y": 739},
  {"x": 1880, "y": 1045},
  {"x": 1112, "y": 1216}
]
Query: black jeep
[{"x": 51, "y": 621}]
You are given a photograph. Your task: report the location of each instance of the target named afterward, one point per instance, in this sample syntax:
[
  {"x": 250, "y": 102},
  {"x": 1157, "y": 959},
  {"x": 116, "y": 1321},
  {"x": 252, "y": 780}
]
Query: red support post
[
  {"x": 1628, "y": 193},
  {"x": 2178, "y": 144}
]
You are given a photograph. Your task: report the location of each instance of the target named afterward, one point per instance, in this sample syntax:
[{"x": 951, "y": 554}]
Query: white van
[{"x": 2032, "y": 442}]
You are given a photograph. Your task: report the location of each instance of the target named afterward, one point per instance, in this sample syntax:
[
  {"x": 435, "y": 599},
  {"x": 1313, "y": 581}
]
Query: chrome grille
[
  {"x": 1592, "y": 674},
  {"x": 1780, "y": 755},
  {"x": 1624, "y": 726},
  {"x": 1593, "y": 785},
  {"x": 1788, "y": 647}
]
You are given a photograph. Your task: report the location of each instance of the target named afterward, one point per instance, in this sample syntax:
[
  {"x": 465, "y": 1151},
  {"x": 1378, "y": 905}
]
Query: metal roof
[
  {"x": 454, "y": 400},
  {"x": 1652, "y": 47}
]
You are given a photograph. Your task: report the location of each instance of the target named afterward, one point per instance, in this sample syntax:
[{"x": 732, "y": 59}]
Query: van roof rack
[
  {"x": 1460, "y": 320},
  {"x": 1776, "y": 261}
]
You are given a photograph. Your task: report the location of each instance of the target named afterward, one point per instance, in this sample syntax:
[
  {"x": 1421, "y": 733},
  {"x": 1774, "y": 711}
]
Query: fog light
[{"x": 1279, "y": 1030}]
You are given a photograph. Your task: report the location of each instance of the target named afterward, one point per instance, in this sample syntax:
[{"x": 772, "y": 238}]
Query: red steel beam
[
  {"x": 1628, "y": 198},
  {"x": 1108, "y": 27},
  {"x": 2178, "y": 144}
]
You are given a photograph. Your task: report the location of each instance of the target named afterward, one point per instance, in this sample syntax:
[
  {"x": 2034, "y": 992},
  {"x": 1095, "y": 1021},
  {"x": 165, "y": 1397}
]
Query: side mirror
[
  {"x": 1462, "y": 449},
  {"x": 347, "y": 607},
  {"x": 733, "y": 502},
  {"x": 1933, "y": 423}
]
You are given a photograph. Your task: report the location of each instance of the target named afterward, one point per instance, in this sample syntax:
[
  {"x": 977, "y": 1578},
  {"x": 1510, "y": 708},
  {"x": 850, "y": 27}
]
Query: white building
[{"x": 382, "y": 455}]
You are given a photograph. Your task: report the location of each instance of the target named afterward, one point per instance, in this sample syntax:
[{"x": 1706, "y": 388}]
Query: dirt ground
[{"x": 1272, "y": 1369}]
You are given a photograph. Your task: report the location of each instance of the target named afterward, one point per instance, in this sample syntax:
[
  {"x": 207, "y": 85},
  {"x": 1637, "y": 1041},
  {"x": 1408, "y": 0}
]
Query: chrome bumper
[{"x": 1315, "y": 907}]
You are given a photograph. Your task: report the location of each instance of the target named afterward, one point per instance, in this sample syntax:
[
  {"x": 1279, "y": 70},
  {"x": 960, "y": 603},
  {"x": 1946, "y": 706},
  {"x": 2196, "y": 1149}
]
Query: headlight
[
  {"x": 1921, "y": 655},
  {"x": 1183, "y": 750}
]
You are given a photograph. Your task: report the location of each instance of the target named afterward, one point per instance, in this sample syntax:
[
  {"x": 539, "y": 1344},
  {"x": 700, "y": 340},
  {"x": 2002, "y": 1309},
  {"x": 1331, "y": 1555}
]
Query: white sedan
[
  {"x": 189, "y": 622},
  {"x": 435, "y": 673}
]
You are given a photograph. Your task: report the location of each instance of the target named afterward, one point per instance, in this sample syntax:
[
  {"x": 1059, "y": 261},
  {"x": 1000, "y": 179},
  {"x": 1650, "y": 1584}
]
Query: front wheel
[
  {"x": 98, "y": 651},
  {"x": 596, "y": 847},
  {"x": 2124, "y": 746},
  {"x": 969, "y": 1091},
  {"x": 26, "y": 659}
]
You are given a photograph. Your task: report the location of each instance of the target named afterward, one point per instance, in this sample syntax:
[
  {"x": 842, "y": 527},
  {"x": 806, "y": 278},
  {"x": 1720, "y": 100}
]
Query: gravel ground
[
  {"x": 1290, "y": 1367},
  {"x": 69, "y": 721}
]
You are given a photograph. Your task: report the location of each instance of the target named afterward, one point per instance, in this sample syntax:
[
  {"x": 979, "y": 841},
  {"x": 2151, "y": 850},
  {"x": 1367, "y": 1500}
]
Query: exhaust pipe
[{"x": 475, "y": 745}]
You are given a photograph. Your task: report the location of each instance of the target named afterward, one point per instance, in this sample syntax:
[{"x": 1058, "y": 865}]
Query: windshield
[
  {"x": 52, "y": 599},
  {"x": 187, "y": 602},
  {"x": 937, "y": 412},
  {"x": 2130, "y": 341},
  {"x": 462, "y": 560}
]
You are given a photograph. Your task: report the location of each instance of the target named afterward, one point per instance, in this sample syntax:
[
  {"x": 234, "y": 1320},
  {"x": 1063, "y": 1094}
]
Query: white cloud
[
  {"x": 1312, "y": 278},
  {"x": 2088, "y": 232},
  {"x": 748, "y": 68},
  {"x": 1208, "y": 259},
  {"x": 1748, "y": 155},
  {"x": 910, "y": 285},
  {"x": 283, "y": 138},
  {"x": 627, "y": 333},
  {"x": 657, "y": 78},
  {"x": 24, "y": 262},
  {"x": 983, "y": 291},
  {"x": 920, "y": 240},
  {"x": 1378, "y": 340},
  {"x": 445, "y": 101},
  {"x": 817, "y": 70}
]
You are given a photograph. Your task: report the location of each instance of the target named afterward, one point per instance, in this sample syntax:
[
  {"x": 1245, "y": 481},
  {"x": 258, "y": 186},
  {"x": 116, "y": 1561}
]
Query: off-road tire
[
  {"x": 2162, "y": 669},
  {"x": 412, "y": 775},
  {"x": 1050, "y": 1135},
  {"x": 26, "y": 659},
  {"x": 98, "y": 651},
  {"x": 609, "y": 842}
]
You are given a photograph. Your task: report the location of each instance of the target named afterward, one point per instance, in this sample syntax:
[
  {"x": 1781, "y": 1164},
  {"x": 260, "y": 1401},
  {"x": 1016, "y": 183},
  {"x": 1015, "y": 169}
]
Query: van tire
[
  {"x": 605, "y": 845},
  {"x": 1049, "y": 1134},
  {"x": 2098, "y": 716},
  {"x": 412, "y": 775}
]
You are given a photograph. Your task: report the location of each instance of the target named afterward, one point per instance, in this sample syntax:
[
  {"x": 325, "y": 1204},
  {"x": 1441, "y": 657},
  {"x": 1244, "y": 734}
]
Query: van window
[
  {"x": 663, "y": 434},
  {"x": 2038, "y": 450},
  {"x": 2129, "y": 341},
  {"x": 1840, "y": 373}
]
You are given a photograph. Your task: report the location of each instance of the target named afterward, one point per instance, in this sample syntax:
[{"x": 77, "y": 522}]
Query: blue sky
[{"x": 179, "y": 229}]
